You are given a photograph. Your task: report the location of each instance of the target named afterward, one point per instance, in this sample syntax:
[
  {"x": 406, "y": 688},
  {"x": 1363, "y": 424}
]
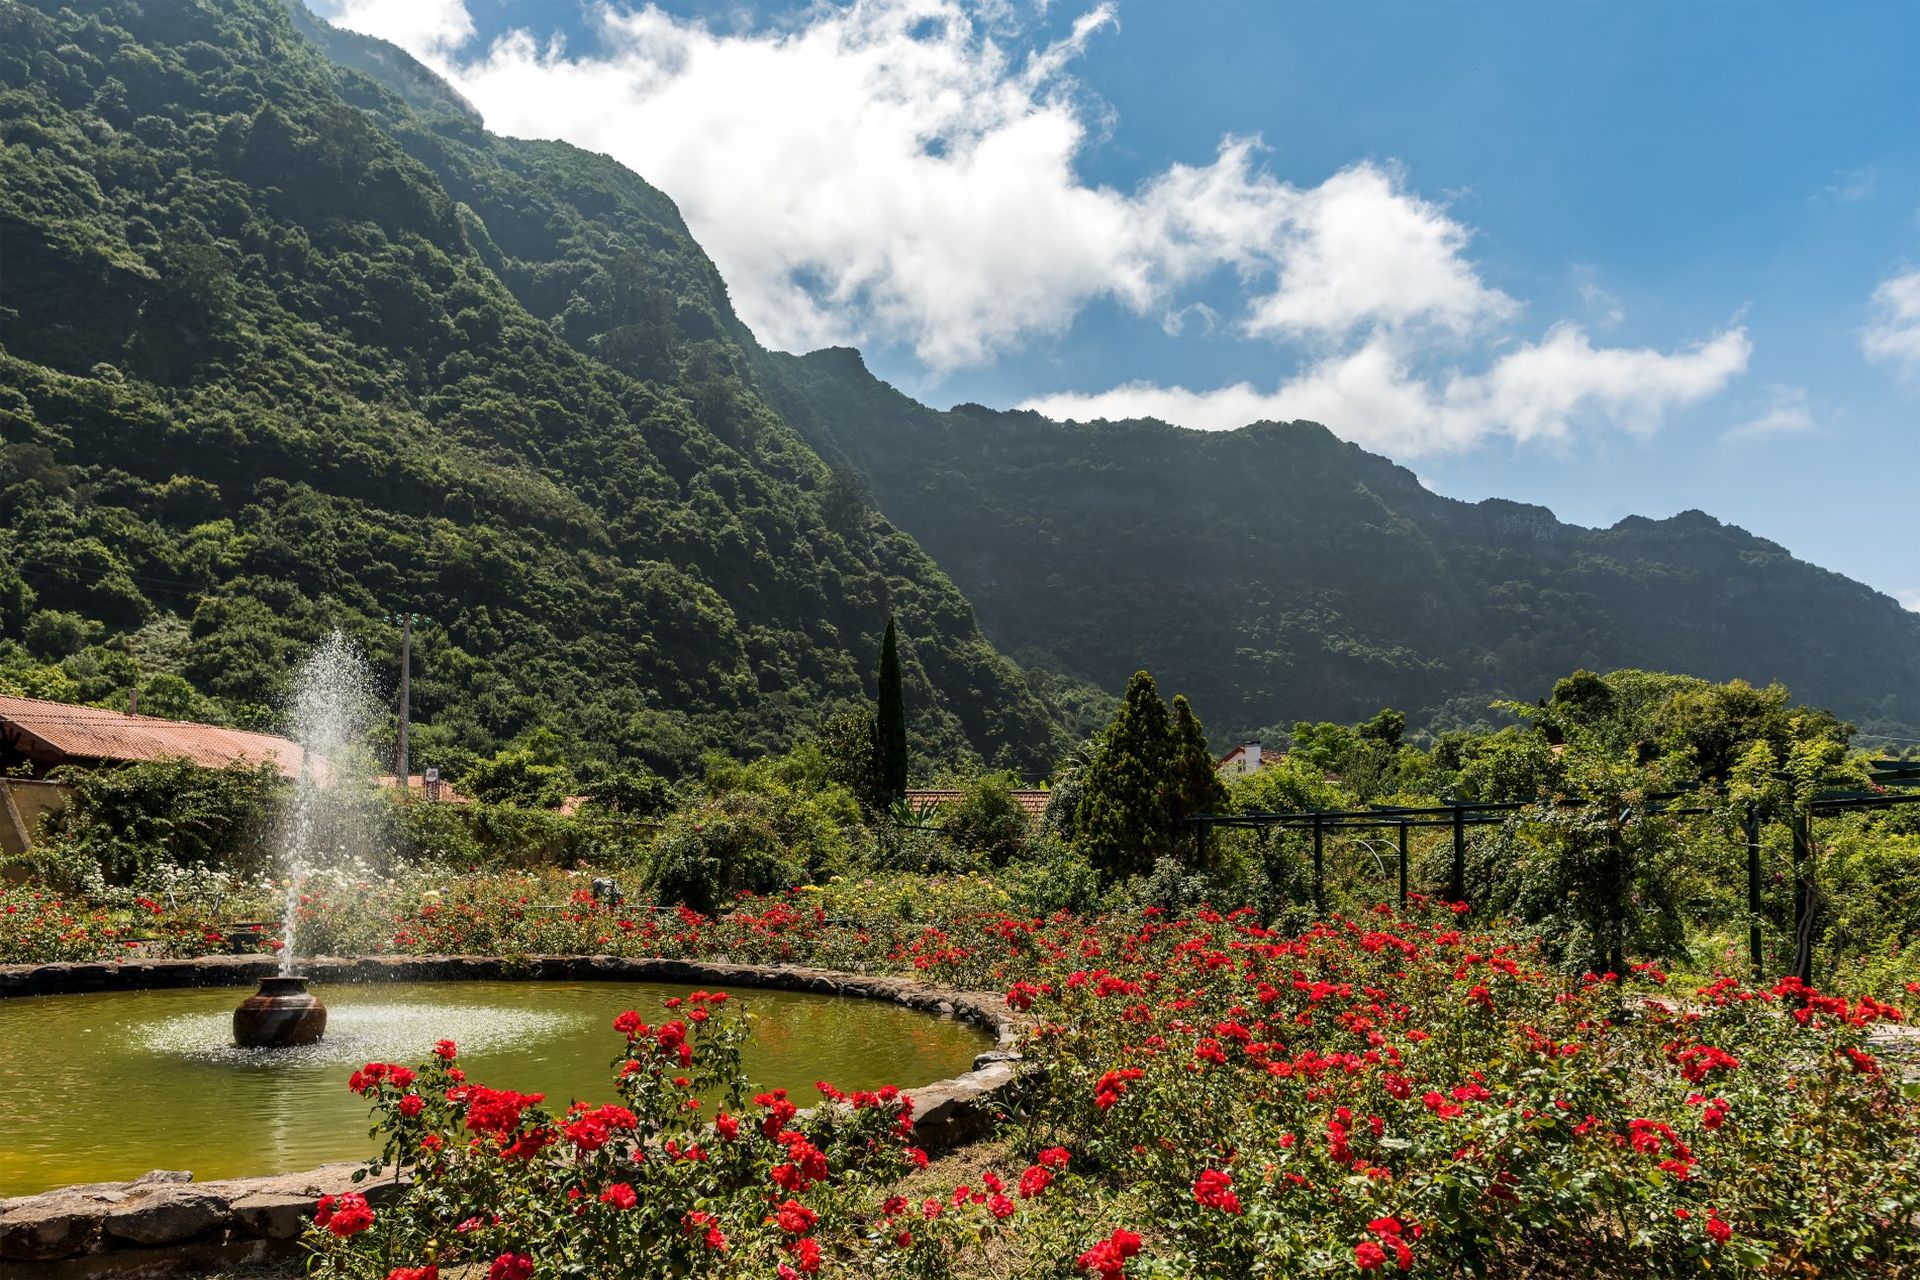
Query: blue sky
[{"x": 1612, "y": 258}]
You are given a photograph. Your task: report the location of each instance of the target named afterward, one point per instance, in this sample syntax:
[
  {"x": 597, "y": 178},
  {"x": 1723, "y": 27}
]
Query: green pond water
[{"x": 107, "y": 1086}]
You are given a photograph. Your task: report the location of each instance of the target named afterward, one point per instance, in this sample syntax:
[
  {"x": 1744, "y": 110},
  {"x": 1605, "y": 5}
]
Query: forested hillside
[
  {"x": 284, "y": 348},
  {"x": 1276, "y": 573}
]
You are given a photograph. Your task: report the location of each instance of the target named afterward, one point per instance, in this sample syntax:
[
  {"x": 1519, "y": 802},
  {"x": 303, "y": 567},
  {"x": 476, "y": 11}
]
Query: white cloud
[
  {"x": 1601, "y": 304},
  {"x": 1894, "y": 334},
  {"x": 1373, "y": 394},
  {"x": 906, "y": 172},
  {"x": 1785, "y": 413},
  {"x": 891, "y": 170},
  {"x": 1910, "y": 597},
  {"x": 1849, "y": 186},
  {"x": 428, "y": 29}
]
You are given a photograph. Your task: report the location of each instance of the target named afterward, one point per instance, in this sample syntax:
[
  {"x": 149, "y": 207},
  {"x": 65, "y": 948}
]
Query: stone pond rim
[
  {"x": 280, "y": 1014},
  {"x": 165, "y": 1223}
]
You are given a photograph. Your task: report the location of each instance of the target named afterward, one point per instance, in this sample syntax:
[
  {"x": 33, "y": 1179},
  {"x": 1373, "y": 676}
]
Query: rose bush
[
  {"x": 658, "y": 1183},
  {"x": 1404, "y": 1094},
  {"x": 1399, "y": 1093}
]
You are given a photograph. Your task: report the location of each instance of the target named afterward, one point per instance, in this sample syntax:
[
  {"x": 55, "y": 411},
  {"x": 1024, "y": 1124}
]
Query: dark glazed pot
[{"x": 281, "y": 1013}]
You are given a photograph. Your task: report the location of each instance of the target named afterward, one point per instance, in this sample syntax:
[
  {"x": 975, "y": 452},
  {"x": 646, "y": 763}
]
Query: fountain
[
  {"x": 282, "y": 1013},
  {"x": 332, "y": 712}
]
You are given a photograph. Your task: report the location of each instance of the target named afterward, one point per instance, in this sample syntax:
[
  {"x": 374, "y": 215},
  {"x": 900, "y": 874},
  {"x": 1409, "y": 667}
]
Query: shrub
[
  {"x": 729, "y": 845},
  {"x": 125, "y": 819},
  {"x": 987, "y": 818}
]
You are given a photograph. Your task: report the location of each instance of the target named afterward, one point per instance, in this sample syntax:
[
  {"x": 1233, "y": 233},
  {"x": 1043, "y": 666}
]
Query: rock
[
  {"x": 156, "y": 1176},
  {"x": 167, "y": 1213},
  {"x": 274, "y": 1215},
  {"x": 195, "y": 1259},
  {"x": 55, "y": 1225}
]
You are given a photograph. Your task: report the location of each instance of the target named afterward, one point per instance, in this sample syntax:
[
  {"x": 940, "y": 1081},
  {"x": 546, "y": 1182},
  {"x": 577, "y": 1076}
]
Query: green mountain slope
[
  {"x": 287, "y": 344},
  {"x": 1276, "y": 573}
]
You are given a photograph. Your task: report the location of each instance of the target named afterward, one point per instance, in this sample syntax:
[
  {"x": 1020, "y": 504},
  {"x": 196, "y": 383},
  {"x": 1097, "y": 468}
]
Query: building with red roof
[{"x": 44, "y": 735}]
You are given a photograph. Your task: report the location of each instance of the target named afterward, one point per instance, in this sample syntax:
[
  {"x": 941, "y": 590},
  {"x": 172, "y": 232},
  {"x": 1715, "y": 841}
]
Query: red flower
[
  {"x": 1054, "y": 1157},
  {"x": 795, "y": 1218},
  {"x": 726, "y": 1126},
  {"x": 1719, "y": 1230},
  {"x": 1212, "y": 1189},
  {"x": 1369, "y": 1256},
  {"x": 620, "y": 1195},
  {"x": 1035, "y": 1180},
  {"x": 428, "y": 1272},
  {"x": 344, "y": 1215},
  {"x": 1109, "y": 1257},
  {"x": 588, "y": 1134},
  {"x": 412, "y": 1105},
  {"x": 806, "y": 1254},
  {"x": 445, "y": 1049},
  {"x": 511, "y": 1266},
  {"x": 1000, "y": 1207}
]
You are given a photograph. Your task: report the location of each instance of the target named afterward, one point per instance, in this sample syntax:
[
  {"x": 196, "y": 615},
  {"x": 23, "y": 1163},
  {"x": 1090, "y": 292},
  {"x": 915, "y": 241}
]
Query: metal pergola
[{"x": 1887, "y": 778}]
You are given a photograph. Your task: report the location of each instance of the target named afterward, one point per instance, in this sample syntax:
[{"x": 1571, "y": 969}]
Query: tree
[
  {"x": 1194, "y": 778},
  {"x": 988, "y": 819},
  {"x": 846, "y": 741},
  {"x": 1599, "y": 877},
  {"x": 890, "y": 721},
  {"x": 1122, "y": 818},
  {"x": 532, "y": 773}
]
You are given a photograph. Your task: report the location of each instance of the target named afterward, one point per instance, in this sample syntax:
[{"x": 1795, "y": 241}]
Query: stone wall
[
  {"x": 165, "y": 1223},
  {"x": 23, "y": 803}
]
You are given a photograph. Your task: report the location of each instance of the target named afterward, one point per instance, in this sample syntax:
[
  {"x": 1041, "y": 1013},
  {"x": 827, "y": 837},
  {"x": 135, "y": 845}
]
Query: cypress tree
[
  {"x": 1122, "y": 817},
  {"x": 890, "y": 722},
  {"x": 1195, "y": 780}
]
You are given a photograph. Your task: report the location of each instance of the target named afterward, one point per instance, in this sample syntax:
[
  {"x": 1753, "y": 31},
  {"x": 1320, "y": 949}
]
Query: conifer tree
[
  {"x": 1122, "y": 819},
  {"x": 890, "y": 722},
  {"x": 1194, "y": 778}
]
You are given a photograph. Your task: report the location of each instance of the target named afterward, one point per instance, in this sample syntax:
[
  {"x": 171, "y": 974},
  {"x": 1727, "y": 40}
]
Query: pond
[{"x": 104, "y": 1087}]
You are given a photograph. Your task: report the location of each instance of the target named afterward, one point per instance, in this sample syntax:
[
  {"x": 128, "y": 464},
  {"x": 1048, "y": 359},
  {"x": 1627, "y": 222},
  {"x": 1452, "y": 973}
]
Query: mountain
[
  {"x": 1277, "y": 573},
  {"x": 288, "y": 342}
]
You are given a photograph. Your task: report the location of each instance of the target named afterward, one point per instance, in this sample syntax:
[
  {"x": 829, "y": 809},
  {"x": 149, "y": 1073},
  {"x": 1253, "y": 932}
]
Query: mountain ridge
[
  {"x": 512, "y": 355},
  {"x": 264, "y": 373},
  {"x": 1685, "y": 592}
]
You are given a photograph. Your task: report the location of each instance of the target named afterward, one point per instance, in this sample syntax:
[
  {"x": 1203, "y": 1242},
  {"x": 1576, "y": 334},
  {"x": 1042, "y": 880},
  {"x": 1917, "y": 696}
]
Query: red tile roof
[
  {"x": 1032, "y": 802},
  {"x": 90, "y": 733},
  {"x": 1269, "y": 756}
]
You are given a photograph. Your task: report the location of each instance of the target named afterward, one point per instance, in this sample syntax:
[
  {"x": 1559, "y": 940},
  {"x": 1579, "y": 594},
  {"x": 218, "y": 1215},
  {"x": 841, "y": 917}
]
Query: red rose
[
  {"x": 1109, "y": 1257},
  {"x": 795, "y": 1218},
  {"x": 511, "y": 1266},
  {"x": 345, "y": 1215}
]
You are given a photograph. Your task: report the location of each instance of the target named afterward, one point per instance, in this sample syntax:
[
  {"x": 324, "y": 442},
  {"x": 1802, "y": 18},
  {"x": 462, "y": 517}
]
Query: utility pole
[
  {"x": 400, "y": 765},
  {"x": 1756, "y": 953}
]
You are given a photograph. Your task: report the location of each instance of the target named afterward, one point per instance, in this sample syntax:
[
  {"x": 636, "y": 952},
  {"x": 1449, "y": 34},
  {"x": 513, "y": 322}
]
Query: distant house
[
  {"x": 44, "y": 735},
  {"x": 37, "y": 737},
  {"x": 421, "y": 787},
  {"x": 1249, "y": 757},
  {"x": 1033, "y": 803}
]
